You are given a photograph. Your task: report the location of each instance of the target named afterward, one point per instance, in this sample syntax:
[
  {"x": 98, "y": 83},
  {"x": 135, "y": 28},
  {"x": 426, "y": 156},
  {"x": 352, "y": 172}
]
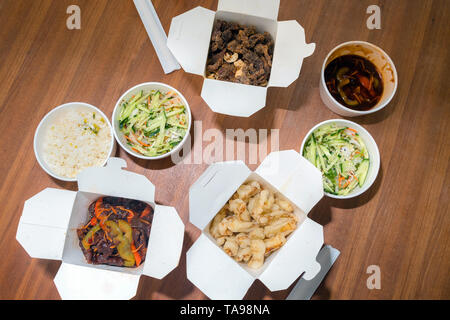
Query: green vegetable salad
[
  {"x": 341, "y": 155},
  {"x": 154, "y": 122}
]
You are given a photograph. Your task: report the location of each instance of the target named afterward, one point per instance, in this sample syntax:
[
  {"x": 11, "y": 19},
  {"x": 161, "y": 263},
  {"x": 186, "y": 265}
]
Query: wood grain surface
[{"x": 402, "y": 224}]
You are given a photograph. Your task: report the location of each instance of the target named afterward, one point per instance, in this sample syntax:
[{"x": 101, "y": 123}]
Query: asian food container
[
  {"x": 48, "y": 230},
  {"x": 189, "y": 41},
  {"x": 382, "y": 62},
  {"x": 370, "y": 145},
  {"x": 147, "y": 87},
  {"x": 218, "y": 275}
]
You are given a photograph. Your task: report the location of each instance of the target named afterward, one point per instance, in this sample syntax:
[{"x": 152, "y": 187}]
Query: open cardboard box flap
[
  {"x": 47, "y": 230},
  {"x": 218, "y": 275},
  {"x": 190, "y": 35}
]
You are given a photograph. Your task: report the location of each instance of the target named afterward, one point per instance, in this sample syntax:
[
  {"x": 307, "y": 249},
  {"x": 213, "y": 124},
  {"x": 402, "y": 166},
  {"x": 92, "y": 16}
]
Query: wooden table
[{"x": 402, "y": 224}]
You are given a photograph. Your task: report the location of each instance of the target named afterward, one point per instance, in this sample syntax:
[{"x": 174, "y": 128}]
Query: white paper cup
[
  {"x": 375, "y": 55},
  {"x": 147, "y": 86},
  {"x": 39, "y": 135},
  {"x": 372, "y": 148}
]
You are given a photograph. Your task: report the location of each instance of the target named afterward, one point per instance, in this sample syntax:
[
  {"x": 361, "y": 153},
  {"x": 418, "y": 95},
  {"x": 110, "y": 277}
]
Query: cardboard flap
[
  {"x": 216, "y": 274},
  {"x": 290, "y": 49},
  {"x": 261, "y": 8},
  {"x": 165, "y": 242},
  {"x": 294, "y": 176},
  {"x": 234, "y": 99},
  {"x": 189, "y": 37},
  {"x": 213, "y": 189},
  {"x": 44, "y": 220},
  {"x": 299, "y": 254},
  {"x": 76, "y": 282},
  {"x": 106, "y": 179}
]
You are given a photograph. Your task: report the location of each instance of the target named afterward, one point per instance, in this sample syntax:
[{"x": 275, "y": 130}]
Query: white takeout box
[
  {"x": 47, "y": 230},
  {"x": 217, "y": 274},
  {"x": 189, "y": 39}
]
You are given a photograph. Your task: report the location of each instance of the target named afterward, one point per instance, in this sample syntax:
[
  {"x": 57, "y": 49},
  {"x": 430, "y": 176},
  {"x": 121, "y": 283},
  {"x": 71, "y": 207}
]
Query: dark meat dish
[
  {"x": 239, "y": 54},
  {"x": 117, "y": 232},
  {"x": 354, "y": 82}
]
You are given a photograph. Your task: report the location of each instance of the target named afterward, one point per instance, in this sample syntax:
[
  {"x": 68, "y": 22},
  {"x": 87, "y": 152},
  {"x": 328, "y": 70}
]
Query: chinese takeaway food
[
  {"x": 75, "y": 140},
  {"x": 239, "y": 54},
  {"x": 117, "y": 232},
  {"x": 253, "y": 224},
  {"x": 153, "y": 122},
  {"x": 354, "y": 82},
  {"x": 341, "y": 155}
]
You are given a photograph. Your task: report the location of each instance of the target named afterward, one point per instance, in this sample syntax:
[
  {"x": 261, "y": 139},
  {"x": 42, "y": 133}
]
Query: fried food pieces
[
  {"x": 253, "y": 223},
  {"x": 239, "y": 54}
]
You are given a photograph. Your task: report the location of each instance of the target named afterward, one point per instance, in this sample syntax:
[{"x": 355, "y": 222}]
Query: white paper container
[
  {"x": 189, "y": 39},
  {"x": 219, "y": 276},
  {"x": 47, "y": 230}
]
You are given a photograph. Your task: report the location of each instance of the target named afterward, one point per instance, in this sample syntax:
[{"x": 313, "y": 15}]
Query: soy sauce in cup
[{"x": 354, "y": 82}]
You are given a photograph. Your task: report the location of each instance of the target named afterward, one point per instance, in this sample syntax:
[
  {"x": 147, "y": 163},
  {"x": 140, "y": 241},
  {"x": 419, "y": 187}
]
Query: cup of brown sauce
[{"x": 357, "y": 78}]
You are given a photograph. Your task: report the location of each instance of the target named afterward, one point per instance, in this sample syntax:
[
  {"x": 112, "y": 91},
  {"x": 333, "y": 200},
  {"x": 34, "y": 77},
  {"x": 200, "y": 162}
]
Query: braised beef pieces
[
  {"x": 101, "y": 246},
  {"x": 239, "y": 54}
]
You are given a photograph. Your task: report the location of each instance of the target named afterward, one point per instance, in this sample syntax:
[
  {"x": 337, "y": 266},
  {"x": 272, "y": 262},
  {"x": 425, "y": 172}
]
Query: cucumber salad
[
  {"x": 341, "y": 155},
  {"x": 153, "y": 123}
]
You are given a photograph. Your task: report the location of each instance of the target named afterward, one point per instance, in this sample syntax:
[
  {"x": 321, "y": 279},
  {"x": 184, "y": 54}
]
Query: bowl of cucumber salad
[
  {"x": 346, "y": 154},
  {"x": 151, "y": 120}
]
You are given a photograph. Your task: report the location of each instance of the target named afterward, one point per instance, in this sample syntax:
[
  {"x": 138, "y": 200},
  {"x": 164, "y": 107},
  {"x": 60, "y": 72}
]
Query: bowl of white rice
[{"x": 72, "y": 137}]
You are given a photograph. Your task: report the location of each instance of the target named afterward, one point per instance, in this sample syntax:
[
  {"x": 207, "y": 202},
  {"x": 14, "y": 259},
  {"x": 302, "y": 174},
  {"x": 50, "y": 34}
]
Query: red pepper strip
[
  {"x": 146, "y": 211},
  {"x": 93, "y": 221},
  {"x": 98, "y": 214},
  {"x": 364, "y": 81},
  {"x": 138, "y": 248},
  {"x": 98, "y": 203},
  {"x": 137, "y": 256},
  {"x": 136, "y": 150},
  {"x": 130, "y": 213}
]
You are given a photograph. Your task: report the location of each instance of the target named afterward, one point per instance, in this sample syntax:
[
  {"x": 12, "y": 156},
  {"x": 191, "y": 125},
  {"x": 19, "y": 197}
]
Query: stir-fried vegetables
[
  {"x": 341, "y": 155},
  {"x": 154, "y": 122}
]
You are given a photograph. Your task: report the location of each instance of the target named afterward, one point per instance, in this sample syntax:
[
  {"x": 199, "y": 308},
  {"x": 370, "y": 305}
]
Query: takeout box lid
[
  {"x": 113, "y": 181},
  {"x": 261, "y": 8},
  {"x": 211, "y": 269},
  {"x": 189, "y": 39},
  {"x": 44, "y": 227}
]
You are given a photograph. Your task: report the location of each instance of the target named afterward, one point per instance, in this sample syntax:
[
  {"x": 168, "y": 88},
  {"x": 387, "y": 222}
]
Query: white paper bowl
[
  {"x": 372, "y": 148},
  {"x": 39, "y": 135},
  {"x": 375, "y": 55},
  {"x": 147, "y": 86}
]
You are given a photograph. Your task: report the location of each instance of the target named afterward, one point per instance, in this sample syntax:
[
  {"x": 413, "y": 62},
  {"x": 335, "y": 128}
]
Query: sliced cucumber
[
  {"x": 311, "y": 151},
  {"x": 361, "y": 173}
]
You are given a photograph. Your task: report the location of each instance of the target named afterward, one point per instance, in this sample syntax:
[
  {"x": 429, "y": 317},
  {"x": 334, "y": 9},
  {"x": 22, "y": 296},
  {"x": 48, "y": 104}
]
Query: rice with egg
[{"x": 77, "y": 139}]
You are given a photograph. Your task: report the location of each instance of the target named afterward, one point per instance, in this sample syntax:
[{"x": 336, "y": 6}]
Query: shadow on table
[
  {"x": 258, "y": 291},
  {"x": 360, "y": 200},
  {"x": 50, "y": 267},
  {"x": 66, "y": 185},
  {"x": 175, "y": 285}
]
